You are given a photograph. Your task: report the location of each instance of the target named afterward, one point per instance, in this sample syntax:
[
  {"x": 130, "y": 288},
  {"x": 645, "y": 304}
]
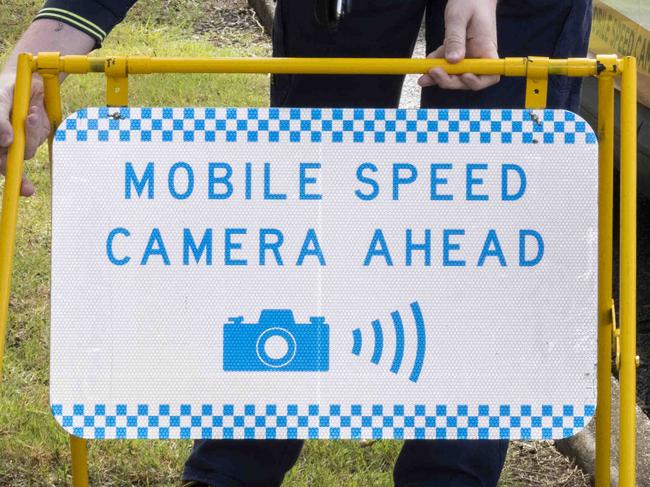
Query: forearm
[
  {"x": 42, "y": 35},
  {"x": 48, "y": 35}
]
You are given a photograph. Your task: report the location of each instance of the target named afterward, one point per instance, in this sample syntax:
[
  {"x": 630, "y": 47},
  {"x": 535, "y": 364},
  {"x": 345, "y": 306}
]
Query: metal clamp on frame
[
  {"x": 607, "y": 65},
  {"x": 49, "y": 67},
  {"x": 117, "y": 81},
  {"x": 536, "y": 81},
  {"x": 616, "y": 337}
]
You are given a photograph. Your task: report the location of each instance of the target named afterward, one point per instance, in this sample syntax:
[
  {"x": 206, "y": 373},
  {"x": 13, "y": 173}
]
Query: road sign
[{"x": 323, "y": 273}]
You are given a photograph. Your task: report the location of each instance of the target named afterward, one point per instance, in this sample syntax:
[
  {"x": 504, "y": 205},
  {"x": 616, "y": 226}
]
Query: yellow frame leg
[
  {"x": 605, "y": 252},
  {"x": 13, "y": 179},
  {"x": 52, "y": 87},
  {"x": 627, "y": 373},
  {"x": 79, "y": 453}
]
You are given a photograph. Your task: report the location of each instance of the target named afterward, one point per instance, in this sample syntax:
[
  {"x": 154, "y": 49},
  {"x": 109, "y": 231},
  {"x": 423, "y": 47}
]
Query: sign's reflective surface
[{"x": 313, "y": 273}]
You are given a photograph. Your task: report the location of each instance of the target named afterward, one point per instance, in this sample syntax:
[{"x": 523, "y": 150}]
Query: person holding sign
[{"x": 383, "y": 28}]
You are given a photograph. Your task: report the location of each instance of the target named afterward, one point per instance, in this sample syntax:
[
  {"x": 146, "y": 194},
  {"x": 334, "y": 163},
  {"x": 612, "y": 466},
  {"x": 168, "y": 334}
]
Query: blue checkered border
[
  {"x": 294, "y": 125},
  {"x": 270, "y": 421}
]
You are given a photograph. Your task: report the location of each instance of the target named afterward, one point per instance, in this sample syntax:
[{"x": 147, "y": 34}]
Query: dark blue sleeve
[{"x": 94, "y": 17}]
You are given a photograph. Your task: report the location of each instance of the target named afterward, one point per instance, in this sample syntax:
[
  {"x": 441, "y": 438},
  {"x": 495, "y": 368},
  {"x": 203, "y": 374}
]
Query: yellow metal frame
[{"x": 535, "y": 69}]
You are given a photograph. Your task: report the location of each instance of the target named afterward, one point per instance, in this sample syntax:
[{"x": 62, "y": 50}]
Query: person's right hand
[
  {"x": 470, "y": 31},
  {"x": 37, "y": 125}
]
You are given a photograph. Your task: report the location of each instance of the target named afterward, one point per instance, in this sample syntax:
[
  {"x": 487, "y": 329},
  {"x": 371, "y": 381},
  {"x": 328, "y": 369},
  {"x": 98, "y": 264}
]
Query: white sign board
[{"x": 318, "y": 273}]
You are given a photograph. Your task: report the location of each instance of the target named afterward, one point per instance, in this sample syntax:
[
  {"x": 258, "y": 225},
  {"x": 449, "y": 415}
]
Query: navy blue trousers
[{"x": 389, "y": 28}]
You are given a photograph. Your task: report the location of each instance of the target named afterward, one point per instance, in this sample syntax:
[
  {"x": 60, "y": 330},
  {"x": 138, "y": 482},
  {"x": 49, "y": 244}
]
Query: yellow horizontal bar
[
  {"x": 317, "y": 65},
  {"x": 146, "y": 65}
]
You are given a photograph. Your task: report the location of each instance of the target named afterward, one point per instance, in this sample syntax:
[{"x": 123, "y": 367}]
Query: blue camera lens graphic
[{"x": 276, "y": 347}]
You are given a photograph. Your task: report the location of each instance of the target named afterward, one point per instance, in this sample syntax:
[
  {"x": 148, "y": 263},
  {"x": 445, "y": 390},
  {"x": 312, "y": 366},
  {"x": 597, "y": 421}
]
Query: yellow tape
[{"x": 613, "y": 31}]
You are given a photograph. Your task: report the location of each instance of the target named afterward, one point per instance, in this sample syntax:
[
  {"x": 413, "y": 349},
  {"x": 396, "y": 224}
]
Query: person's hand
[
  {"x": 470, "y": 31},
  {"x": 37, "y": 125}
]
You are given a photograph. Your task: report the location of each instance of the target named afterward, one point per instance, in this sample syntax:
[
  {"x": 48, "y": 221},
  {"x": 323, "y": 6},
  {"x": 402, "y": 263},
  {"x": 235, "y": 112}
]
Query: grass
[{"x": 33, "y": 449}]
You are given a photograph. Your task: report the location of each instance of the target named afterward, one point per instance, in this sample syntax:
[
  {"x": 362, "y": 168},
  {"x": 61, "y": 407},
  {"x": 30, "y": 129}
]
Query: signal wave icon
[{"x": 398, "y": 324}]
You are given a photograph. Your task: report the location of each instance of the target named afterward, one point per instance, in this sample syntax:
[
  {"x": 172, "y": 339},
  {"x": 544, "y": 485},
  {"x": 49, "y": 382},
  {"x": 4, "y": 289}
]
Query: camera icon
[{"x": 276, "y": 343}]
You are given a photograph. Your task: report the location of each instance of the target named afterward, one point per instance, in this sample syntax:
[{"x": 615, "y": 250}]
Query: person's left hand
[
  {"x": 37, "y": 125},
  {"x": 470, "y": 31}
]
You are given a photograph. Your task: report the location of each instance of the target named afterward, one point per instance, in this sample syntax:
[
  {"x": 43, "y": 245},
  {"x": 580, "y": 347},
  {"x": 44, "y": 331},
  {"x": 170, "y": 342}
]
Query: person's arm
[
  {"x": 470, "y": 31},
  {"x": 41, "y": 35},
  {"x": 66, "y": 26}
]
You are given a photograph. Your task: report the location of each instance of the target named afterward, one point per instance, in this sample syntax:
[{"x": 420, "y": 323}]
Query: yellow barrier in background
[{"x": 535, "y": 69}]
